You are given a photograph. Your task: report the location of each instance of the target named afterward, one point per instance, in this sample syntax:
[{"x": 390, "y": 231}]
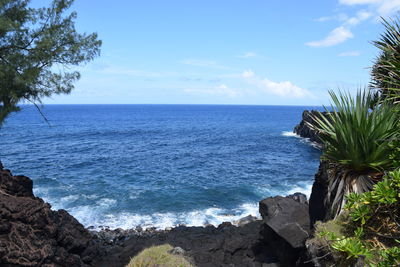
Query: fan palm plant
[
  {"x": 386, "y": 69},
  {"x": 357, "y": 143}
]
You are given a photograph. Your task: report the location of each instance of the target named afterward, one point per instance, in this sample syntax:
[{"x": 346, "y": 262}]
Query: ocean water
[{"x": 159, "y": 165}]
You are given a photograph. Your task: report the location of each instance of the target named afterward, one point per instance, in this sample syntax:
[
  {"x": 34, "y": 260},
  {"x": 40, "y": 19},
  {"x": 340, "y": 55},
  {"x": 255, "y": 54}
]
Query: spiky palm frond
[
  {"x": 357, "y": 140},
  {"x": 356, "y": 136},
  {"x": 386, "y": 69}
]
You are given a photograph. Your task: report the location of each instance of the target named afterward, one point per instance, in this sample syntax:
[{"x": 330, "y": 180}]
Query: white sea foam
[
  {"x": 97, "y": 216},
  {"x": 101, "y": 214},
  {"x": 308, "y": 142},
  {"x": 106, "y": 202},
  {"x": 69, "y": 198},
  {"x": 305, "y": 189},
  {"x": 290, "y": 134}
]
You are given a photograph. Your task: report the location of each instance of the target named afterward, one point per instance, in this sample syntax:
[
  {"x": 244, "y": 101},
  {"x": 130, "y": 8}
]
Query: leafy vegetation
[
  {"x": 362, "y": 143},
  {"x": 359, "y": 142},
  {"x": 386, "y": 70},
  {"x": 355, "y": 136},
  {"x": 158, "y": 256},
  {"x": 374, "y": 220},
  {"x": 36, "y": 47}
]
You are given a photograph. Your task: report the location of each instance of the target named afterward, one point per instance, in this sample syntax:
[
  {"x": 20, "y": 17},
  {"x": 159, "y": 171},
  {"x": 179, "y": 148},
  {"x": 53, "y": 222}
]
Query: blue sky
[{"x": 226, "y": 52}]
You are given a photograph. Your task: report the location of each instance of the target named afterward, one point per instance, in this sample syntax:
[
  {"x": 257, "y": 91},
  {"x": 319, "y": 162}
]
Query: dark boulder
[
  {"x": 31, "y": 234},
  {"x": 286, "y": 226}
]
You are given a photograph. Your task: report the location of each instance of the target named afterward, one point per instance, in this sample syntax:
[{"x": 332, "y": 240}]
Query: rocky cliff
[
  {"x": 303, "y": 129},
  {"x": 318, "y": 208},
  {"x": 31, "y": 234}
]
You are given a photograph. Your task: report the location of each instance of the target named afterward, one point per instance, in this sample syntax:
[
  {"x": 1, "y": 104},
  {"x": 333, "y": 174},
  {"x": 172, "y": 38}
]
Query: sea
[{"x": 123, "y": 166}]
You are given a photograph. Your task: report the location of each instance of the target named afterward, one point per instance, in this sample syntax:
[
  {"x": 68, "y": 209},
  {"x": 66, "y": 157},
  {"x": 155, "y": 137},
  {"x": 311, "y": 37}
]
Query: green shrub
[
  {"x": 374, "y": 218},
  {"x": 158, "y": 256}
]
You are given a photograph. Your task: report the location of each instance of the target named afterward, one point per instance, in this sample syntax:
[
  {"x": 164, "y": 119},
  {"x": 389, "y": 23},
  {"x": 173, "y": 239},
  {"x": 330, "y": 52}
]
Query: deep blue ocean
[{"x": 159, "y": 165}]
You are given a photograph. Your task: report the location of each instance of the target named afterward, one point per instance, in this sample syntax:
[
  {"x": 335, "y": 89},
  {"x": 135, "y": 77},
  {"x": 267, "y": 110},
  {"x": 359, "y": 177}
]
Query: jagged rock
[
  {"x": 318, "y": 208},
  {"x": 31, "y": 234},
  {"x": 286, "y": 226},
  {"x": 304, "y": 130},
  {"x": 245, "y": 220},
  {"x": 299, "y": 197},
  {"x": 19, "y": 186}
]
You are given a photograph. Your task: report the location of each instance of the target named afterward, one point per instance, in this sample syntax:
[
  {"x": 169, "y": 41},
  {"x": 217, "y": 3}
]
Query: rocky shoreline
[{"x": 32, "y": 234}]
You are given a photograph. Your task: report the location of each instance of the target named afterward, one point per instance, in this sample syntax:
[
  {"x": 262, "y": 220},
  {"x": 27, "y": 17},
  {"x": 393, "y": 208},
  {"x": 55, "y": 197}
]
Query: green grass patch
[{"x": 159, "y": 256}]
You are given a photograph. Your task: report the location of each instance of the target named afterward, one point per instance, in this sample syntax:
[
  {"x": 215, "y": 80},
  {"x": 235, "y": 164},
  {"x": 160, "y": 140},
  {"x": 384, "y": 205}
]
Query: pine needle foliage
[{"x": 39, "y": 48}]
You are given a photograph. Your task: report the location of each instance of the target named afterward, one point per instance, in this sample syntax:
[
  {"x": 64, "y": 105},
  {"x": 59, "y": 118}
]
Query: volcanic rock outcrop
[{"x": 31, "y": 234}]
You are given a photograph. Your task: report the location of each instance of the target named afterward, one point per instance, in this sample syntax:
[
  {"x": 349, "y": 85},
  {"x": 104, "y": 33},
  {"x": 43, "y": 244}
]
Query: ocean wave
[
  {"x": 102, "y": 212},
  {"x": 98, "y": 217},
  {"x": 304, "y": 140},
  {"x": 290, "y": 134},
  {"x": 308, "y": 142},
  {"x": 305, "y": 189}
]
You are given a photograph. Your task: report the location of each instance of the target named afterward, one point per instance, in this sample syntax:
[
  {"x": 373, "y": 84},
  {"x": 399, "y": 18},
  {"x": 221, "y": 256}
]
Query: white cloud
[
  {"x": 371, "y": 9},
  {"x": 221, "y": 90},
  {"x": 358, "y": 2},
  {"x": 389, "y": 7},
  {"x": 346, "y": 20},
  {"x": 350, "y": 54},
  {"x": 338, "y": 17},
  {"x": 202, "y": 63},
  {"x": 323, "y": 19},
  {"x": 117, "y": 70},
  {"x": 247, "y": 55},
  {"x": 284, "y": 89},
  {"x": 360, "y": 17},
  {"x": 336, "y": 36},
  {"x": 380, "y": 7}
]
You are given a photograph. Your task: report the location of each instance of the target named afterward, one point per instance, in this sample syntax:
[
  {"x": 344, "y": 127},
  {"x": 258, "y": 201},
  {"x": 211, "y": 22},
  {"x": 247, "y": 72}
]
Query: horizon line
[{"x": 166, "y": 104}]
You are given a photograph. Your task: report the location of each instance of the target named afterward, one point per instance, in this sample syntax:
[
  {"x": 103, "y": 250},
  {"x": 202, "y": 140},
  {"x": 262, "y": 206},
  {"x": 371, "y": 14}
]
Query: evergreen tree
[{"x": 37, "y": 45}]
